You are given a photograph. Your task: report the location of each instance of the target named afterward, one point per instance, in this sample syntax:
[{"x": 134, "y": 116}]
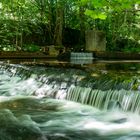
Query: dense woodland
[{"x": 27, "y": 24}]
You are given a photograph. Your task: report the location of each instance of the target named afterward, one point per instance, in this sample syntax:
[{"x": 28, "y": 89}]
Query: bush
[{"x": 31, "y": 48}]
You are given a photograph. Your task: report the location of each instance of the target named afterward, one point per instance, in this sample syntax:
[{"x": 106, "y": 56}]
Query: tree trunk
[
  {"x": 42, "y": 10},
  {"x": 51, "y": 19},
  {"x": 59, "y": 24},
  {"x": 82, "y": 23}
]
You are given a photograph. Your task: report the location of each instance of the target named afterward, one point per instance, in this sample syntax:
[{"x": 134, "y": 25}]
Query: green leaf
[
  {"x": 84, "y": 2},
  {"x": 96, "y": 14},
  {"x": 102, "y": 16},
  {"x": 97, "y": 4}
]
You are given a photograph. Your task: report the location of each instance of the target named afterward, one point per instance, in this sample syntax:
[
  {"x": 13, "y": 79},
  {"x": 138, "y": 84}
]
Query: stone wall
[{"x": 95, "y": 40}]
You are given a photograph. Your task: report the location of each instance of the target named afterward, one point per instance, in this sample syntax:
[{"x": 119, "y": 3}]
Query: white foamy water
[{"x": 57, "y": 119}]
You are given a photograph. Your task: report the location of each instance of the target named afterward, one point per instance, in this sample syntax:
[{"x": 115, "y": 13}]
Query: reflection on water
[{"x": 30, "y": 109}]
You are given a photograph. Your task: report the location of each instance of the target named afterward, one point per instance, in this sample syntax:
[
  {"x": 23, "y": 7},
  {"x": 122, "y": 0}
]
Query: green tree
[{"x": 117, "y": 18}]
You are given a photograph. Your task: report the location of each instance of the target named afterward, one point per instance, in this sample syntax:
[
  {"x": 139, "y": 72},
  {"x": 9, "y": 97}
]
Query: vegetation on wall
[{"x": 42, "y": 22}]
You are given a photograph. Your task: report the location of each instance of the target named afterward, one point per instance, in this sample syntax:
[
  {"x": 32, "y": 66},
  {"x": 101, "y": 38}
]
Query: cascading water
[
  {"x": 34, "y": 104},
  {"x": 81, "y": 58},
  {"x": 124, "y": 99}
]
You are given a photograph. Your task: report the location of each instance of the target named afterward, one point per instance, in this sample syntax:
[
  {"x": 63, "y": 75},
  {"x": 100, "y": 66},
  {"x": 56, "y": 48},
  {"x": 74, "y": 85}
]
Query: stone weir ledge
[
  {"x": 101, "y": 55},
  {"x": 24, "y": 55},
  {"x": 104, "y": 55},
  {"x": 116, "y": 55}
]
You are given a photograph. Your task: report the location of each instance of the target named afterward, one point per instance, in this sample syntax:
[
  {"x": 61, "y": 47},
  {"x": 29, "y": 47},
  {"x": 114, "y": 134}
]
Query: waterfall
[
  {"x": 81, "y": 55},
  {"x": 43, "y": 82},
  {"x": 81, "y": 58},
  {"x": 126, "y": 99},
  {"x": 66, "y": 84}
]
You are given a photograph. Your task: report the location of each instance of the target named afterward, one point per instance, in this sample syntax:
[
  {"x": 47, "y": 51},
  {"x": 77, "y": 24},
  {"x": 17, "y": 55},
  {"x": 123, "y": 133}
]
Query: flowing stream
[{"x": 46, "y": 103}]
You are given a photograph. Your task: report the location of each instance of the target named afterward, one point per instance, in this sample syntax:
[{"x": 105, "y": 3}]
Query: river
[{"x": 50, "y": 103}]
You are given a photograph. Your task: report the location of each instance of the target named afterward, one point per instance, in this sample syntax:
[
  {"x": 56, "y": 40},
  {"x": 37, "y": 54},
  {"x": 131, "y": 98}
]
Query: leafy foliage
[{"x": 119, "y": 19}]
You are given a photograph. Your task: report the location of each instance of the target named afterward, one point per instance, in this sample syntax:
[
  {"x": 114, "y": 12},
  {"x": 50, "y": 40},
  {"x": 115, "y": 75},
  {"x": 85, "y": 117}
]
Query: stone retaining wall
[
  {"x": 21, "y": 55},
  {"x": 117, "y": 55},
  {"x": 96, "y": 55}
]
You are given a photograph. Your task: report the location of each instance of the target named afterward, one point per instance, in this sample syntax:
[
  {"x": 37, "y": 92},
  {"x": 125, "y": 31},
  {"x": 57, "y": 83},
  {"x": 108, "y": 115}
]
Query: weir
[
  {"x": 68, "y": 86},
  {"x": 127, "y": 100},
  {"x": 81, "y": 57}
]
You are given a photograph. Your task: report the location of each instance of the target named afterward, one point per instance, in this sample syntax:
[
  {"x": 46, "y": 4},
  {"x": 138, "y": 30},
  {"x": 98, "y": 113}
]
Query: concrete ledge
[
  {"x": 66, "y": 56},
  {"x": 117, "y": 55},
  {"x": 24, "y": 55}
]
